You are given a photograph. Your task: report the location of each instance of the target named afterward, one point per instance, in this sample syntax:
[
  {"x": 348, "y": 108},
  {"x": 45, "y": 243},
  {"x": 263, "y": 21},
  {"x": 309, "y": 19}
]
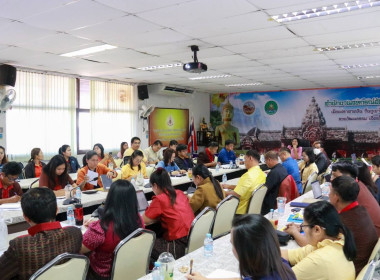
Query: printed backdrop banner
[
  {"x": 167, "y": 124},
  {"x": 347, "y": 115}
]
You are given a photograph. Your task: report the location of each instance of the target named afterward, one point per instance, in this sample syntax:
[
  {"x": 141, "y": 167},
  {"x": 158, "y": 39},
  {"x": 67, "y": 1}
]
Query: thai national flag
[{"x": 192, "y": 141}]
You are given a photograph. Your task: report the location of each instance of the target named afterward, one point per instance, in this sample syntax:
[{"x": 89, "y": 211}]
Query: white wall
[{"x": 197, "y": 103}]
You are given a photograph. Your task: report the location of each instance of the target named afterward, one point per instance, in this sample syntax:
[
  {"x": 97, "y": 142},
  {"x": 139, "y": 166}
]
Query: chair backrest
[
  {"x": 199, "y": 227},
  {"x": 74, "y": 269},
  {"x": 321, "y": 178},
  {"x": 126, "y": 159},
  {"x": 225, "y": 212},
  {"x": 288, "y": 188},
  {"x": 35, "y": 183},
  {"x": 368, "y": 271},
  {"x": 132, "y": 255},
  {"x": 375, "y": 252},
  {"x": 256, "y": 201},
  {"x": 312, "y": 177}
]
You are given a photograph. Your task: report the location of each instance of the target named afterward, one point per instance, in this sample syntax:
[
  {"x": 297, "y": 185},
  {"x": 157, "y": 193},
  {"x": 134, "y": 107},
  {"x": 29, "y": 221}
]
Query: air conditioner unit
[{"x": 162, "y": 89}]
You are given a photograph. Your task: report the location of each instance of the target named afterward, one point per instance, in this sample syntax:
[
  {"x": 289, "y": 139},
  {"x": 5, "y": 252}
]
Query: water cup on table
[
  {"x": 273, "y": 218},
  {"x": 281, "y": 201}
]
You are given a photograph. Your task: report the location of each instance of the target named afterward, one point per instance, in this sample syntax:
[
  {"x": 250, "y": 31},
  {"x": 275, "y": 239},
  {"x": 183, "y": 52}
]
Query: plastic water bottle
[
  {"x": 3, "y": 233},
  {"x": 224, "y": 178},
  {"x": 217, "y": 167},
  {"x": 78, "y": 195},
  {"x": 70, "y": 216},
  {"x": 231, "y": 164},
  {"x": 208, "y": 247},
  {"x": 156, "y": 272}
]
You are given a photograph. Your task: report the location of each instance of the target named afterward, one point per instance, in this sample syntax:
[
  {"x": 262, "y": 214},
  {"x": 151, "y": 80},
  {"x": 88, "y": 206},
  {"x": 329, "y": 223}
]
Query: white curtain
[
  {"x": 113, "y": 114},
  {"x": 42, "y": 116}
]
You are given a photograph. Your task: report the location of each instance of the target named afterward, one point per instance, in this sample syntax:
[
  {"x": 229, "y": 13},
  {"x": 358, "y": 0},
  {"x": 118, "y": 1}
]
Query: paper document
[
  {"x": 92, "y": 177},
  {"x": 11, "y": 206},
  {"x": 221, "y": 273}
]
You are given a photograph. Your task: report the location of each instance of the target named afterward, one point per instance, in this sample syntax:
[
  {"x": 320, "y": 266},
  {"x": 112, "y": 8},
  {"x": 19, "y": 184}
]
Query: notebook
[{"x": 106, "y": 182}]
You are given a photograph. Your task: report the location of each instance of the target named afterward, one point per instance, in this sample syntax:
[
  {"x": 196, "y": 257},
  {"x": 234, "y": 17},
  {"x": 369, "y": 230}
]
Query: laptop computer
[
  {"x": 141, "y": 200},
  {"x": 106, "y": 182},
  {"x": 317, "y": 191}
]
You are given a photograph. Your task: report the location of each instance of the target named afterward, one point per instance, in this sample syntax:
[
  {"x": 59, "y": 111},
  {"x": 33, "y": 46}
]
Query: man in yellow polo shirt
[
  {"x": 249, "y": 182},
  {"x": 135, "y": 145}
]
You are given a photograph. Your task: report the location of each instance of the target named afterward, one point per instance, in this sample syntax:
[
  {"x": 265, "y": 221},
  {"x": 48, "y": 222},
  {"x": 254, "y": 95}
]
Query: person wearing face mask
[
  {"x": 72, "y": 162},
  {"x": 320, "y": 160}
]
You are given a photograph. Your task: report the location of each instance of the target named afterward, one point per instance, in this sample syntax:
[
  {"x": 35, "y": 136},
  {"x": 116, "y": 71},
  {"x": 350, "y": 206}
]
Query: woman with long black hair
[
  {"x": 171, "y": 207},
  {"x": 331, "y": 246},
  {"x": 105, "y": 159},
  {"x": 208, "y": 192},
  {"x": 134, "y": 167},
  {"x": 308, "y": 166},
  {"x": 119, "y": 219},
  {"x": 255, "y": 245},
  {"x": 72, "y": 162}
]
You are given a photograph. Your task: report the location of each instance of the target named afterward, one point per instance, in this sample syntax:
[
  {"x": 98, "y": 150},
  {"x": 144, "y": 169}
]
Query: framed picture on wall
[{"x": 166, "y": 124}]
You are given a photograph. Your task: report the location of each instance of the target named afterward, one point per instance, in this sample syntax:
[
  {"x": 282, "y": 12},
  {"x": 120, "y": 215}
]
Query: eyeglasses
[
  {"x": 302, "y": 226},
  {"x": 10, "y": 179}
]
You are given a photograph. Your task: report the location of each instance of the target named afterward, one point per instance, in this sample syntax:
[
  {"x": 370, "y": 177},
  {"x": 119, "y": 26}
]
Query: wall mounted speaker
[
  {"x": 7, "y": 75},
  {"x": 143, "y": 92}
]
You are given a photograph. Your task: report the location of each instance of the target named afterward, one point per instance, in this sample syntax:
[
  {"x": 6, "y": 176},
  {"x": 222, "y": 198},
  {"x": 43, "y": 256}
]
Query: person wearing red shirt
[
  {"x": 172, "y": 208},
  {"x": 34, "y": 167},
  {"x": 207, "y": 157},
  {"x": 55, "y": 176},
  {"x": 10, "y": 190},
  {"x": 119, "y": 219}
]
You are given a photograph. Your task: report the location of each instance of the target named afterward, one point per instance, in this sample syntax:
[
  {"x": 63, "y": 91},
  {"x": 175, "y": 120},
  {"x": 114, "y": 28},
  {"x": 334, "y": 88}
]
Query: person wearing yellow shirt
[
  {"x": 249, "y": 182},
  {"x": 134, "y": 167},
  {"x": 331, "y": 246},
  {"x": 135, "y": 146}
]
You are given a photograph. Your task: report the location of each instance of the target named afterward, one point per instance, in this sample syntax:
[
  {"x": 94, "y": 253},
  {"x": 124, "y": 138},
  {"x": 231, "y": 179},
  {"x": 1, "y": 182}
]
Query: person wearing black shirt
[
  {"x": 182, "y": 160},
  {"x": 274, "y": 178}
]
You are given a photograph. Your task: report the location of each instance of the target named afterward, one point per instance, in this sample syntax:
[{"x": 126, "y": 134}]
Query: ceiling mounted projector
[{"x": 195, "y": 67}]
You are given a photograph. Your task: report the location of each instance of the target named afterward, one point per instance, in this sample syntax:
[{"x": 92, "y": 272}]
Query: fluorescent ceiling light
[
  {"x": 368, "y": 77},
  {"x": 360, "y": 65},
  {"x": 244, "y": 85},
  {"x": 158, "y": 67},
  {"x": 89, "y": 50},
  {"x": 347, "y": 47},
  {"x": 210, "y": 77},
  {"x": 348, "y": 6}
]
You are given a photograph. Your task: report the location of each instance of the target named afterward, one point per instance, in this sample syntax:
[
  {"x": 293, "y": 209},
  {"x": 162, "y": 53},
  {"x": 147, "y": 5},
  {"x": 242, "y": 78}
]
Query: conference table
[
  {"x": 223, "y": 263},
  {"x": 16, "y": 222}
]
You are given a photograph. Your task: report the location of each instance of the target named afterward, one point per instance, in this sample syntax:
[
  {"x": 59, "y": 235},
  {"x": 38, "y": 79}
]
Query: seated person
[
  {"x": 168, "y": 163},
  {"x": 255, "y": 246},
  {"x": 365, "y": 197},
  {"x": 319, "y": 145},
  {"x": 307, "y": 166},
  {"x": 46, "y": 238},
  {"x": 105, "y": 159},
  {"x": 10, "y": 190},
  {"x": 182, "y": 159},
  {"x": 34, "y": 167},
  {"x": 208, "y": 193},
  {"x": 331, "y": 247},
  {"x": 273, "y": 181},
  {"x": 134, "y": 167},
  {"x": 91, "y": 162},
  {"x": 291, "y": 167},
  {"x": 3, "y": 157},
  {"x": 172, "y": 209},
  {"x": 249, "y": 182},
  {"x": 172, "y": 145},
  {"x": 152, "y": 153},
  {"x": 227, "y": 154},
  {"x": 295, "y": 150},
  {"x": 364, "y": 176},
  {"x": 376, "y": 171},
  {"x": 207, "y": 157},
  {"x": 123, "y": 147},
  {"x": 119, "y": 219},
  {"x": 135, "y": 145},
  {"x": 72, "y": 162},
  {"x": 54, "y": 176},
  {"x": 321, "y": 161}
]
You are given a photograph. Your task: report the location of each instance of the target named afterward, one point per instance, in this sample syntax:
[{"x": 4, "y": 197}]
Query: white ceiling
[{"x": 235, "y": 37}]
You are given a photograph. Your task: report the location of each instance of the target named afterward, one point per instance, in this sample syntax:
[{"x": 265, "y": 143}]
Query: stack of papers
[
  {"x": 221, "y": 273},
  {"x": 11, "y": 206}
]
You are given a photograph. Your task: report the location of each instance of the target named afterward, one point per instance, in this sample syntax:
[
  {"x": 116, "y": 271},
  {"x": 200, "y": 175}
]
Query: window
[{"x": 51, "y": 110}]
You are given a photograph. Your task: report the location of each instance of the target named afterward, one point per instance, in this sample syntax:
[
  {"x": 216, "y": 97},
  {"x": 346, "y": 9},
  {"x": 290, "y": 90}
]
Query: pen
[{"x": 191, "y": 266}]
